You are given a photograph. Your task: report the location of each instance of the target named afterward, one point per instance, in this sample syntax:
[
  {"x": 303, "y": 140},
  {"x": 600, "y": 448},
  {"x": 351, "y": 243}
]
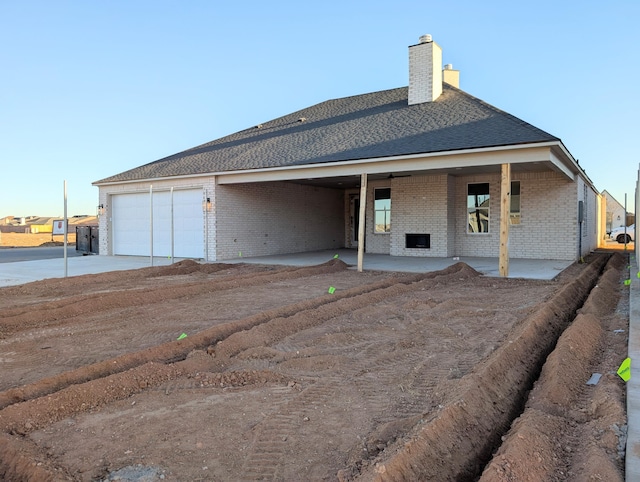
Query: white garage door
[{"x": 131, "y": 221}]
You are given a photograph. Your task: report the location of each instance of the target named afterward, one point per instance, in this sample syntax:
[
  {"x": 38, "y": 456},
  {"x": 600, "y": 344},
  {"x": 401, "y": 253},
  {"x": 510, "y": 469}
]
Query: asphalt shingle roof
[{"x": 368, "y": 126}]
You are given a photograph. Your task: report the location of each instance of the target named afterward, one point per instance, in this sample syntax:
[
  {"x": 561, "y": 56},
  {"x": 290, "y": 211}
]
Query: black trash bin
[{"x": 87, "y": 239}]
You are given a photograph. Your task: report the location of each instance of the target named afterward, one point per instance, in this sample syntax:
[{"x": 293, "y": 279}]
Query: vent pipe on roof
[{"x": 425, "y": 71}]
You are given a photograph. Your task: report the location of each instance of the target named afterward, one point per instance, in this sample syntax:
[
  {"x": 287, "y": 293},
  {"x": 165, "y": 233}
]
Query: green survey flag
[{"x": 625, "y": 370}]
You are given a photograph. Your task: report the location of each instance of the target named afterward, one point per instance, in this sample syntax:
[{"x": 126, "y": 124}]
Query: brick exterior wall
[
  {"x": 548, "y": 228},
  {"x": 451, "y": 215},
  {"x": 377, "y": 242},
  {"x": 419, "y": 205},
  {"x": 437, "y": 205},
  {"x": 275, "y": 218}
]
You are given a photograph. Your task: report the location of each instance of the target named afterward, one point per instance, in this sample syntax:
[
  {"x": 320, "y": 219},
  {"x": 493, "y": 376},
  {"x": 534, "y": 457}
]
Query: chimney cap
[
  {"x": 425, "y": 39},
  {"x": 448, "y": 67}
]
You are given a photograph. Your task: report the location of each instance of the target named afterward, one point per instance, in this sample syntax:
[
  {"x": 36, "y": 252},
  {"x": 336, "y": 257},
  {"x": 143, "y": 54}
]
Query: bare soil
[
  {"x": 246, "y": 372},
  {"x": 28, "y": 240}
]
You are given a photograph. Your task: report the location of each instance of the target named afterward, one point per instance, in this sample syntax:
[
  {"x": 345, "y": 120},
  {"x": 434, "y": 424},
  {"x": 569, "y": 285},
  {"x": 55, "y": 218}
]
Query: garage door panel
[{"x": 131, "y": 224}]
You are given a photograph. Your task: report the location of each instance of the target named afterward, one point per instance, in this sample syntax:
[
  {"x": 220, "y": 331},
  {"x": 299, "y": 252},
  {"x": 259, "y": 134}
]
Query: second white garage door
[{"x": 131, "y": 221}]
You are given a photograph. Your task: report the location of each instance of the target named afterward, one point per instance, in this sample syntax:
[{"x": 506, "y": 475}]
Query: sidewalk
[
  {"x": 633, "y": 385},
  {"x": 12, "y": 274}
]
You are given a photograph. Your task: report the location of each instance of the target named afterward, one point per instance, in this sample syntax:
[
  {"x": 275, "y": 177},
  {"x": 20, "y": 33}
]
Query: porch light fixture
[
  {"x": 100, "y": 209},
  {"x": 207, "y": 204}
]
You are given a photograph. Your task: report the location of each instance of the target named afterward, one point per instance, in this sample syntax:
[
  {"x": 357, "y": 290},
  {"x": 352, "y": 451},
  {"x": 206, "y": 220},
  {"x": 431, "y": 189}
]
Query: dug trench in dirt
[
  {"x": 253, "y": 339},
  {"x": 574, "y": 430},
  {"x": 457, "y": 442}
]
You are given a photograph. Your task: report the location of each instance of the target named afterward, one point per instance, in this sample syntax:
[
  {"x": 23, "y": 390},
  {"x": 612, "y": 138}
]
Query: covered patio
[{"x": 518, "y": 268}]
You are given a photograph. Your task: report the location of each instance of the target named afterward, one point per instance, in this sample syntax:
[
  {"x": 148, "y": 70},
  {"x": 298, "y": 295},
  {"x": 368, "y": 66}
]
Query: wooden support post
[
  {"x": 361, "y": 220},
  {"x": 505, "y": 211}
]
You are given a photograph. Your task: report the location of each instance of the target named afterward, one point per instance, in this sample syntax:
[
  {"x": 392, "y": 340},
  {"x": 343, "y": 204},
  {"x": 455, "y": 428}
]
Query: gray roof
[{"x": 368, "y": 126}]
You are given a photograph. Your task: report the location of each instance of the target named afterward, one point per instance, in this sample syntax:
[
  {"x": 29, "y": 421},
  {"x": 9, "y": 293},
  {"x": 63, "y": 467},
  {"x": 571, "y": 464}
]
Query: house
[
  {"x": 426, "y": 170},
  {"x": 616, "y": 215}
]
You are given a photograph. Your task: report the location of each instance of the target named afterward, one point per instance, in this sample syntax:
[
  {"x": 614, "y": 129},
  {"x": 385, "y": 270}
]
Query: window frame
[
  {"x": 518, "y": 213},
  {"x": 477, "y": 209},
  {"x": 385, "y": 210}
]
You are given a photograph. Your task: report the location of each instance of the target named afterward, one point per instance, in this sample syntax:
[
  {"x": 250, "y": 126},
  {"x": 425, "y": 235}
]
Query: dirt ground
[
  {"x": 219, "y": 372},
  {"x": 22, "y": 240}
]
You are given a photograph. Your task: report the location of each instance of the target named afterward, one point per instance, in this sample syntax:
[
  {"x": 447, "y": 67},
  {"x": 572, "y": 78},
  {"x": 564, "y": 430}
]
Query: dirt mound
[
  {"x": 187, "y": 266},
  {"x": 461, "y": 268}
]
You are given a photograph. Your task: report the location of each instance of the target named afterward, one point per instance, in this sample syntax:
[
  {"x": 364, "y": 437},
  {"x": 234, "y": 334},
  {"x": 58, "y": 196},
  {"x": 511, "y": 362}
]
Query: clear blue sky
[{"x": 89, "y": 89}]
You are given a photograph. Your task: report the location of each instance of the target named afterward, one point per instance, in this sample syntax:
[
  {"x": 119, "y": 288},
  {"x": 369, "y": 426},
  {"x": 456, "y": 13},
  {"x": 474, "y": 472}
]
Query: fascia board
[
  {"x": 422, "y": 162},
  {"x": 539, "y": 152}
]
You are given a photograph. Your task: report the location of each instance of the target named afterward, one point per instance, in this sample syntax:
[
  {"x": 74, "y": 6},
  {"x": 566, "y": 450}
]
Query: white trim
[
  {"x": 560, "y": 166},
  {"x": 418, "y": 162},
  {"x": 427, "y": 161}
]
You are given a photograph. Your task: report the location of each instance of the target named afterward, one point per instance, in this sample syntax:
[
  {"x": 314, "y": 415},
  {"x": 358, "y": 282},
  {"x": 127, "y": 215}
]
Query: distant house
[
  {"x": 426, "y": 170},
  {"x": 40, "y": 224},
  {"x": 616, "y": 215}
]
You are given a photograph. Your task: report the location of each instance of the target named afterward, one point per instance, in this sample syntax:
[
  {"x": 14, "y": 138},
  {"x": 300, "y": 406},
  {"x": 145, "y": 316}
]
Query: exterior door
[{"x": 354, "y": 219}]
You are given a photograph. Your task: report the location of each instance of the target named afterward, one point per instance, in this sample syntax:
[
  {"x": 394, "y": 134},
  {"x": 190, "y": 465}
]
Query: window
[
  {"x": 382, "y": 210},
  {"x": 514, "y": 214},
  {"x": 478, "y": 207}
]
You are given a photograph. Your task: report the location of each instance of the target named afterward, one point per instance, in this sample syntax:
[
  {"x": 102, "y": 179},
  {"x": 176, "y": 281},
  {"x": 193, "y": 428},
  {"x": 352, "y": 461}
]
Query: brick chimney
[
  {"x": 450, "y": 76},
  {"x": 425, "y": 71}
]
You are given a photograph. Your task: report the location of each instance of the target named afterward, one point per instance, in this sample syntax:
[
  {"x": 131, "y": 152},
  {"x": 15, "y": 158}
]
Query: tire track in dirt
[
  {"x": 347, "y": 302},
  {"x": 57, "y": 311},
  {"x": 453, "y": 445},
  {"x": 68, "y": 389},
  {"x": 177, "y": 350},
  {"x": 271, "y": 441},
  {"x": 269, "y": 449}
]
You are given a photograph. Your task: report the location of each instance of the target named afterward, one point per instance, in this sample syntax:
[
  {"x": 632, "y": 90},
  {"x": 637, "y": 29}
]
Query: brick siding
[
  {"x": 275, "y": 218},
  {"x": 261, "y": 219}
]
